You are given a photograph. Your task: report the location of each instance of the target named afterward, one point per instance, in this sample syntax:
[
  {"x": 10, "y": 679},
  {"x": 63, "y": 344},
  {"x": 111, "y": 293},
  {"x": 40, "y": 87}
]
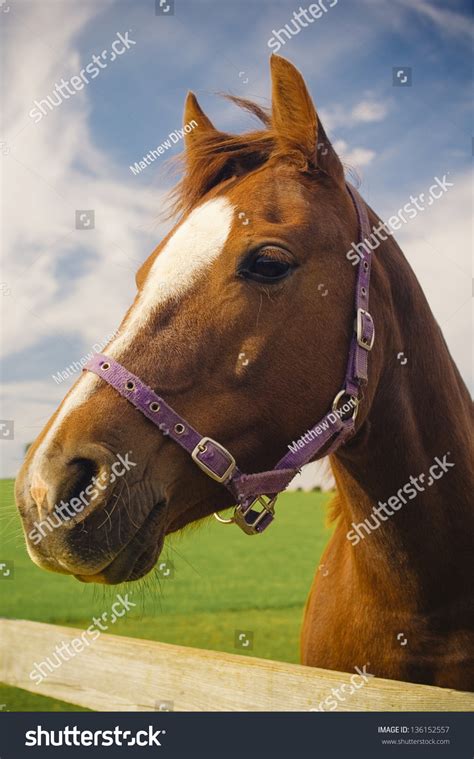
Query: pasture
[{"x": 217, "y": 581}]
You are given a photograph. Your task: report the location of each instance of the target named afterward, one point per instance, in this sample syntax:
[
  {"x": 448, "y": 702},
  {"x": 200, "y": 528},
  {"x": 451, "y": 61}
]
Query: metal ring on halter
[
  {"x": 222, "y": 520},
  {"x": 354, "y": 400}
]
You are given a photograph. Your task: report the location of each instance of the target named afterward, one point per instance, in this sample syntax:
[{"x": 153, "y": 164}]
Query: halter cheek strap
[{"x": 255, "y": 494}]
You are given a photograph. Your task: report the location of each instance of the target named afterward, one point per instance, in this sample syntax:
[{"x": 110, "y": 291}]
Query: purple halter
[{"x": 329, "y": 433}]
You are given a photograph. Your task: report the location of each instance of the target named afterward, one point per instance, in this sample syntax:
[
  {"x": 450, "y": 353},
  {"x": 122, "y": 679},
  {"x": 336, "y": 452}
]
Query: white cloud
[
  {"x": 369, "y": 110},
  {"x": 344, "y": 117},
  {"x": 354, "y": 158},
  {"x": 448, "y": 20},
  {"x": 396, "y": 14},
  {"x": 54, "y": 168},
  {"x": 438, "y": 245}
]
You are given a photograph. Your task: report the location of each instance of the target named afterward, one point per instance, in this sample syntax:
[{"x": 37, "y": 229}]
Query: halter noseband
[{"x": 217, "y": 462}]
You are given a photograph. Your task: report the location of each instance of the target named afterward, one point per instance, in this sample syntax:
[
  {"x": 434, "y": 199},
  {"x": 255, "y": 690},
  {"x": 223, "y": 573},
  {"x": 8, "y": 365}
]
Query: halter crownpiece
[{"x": 256, "y": 494}]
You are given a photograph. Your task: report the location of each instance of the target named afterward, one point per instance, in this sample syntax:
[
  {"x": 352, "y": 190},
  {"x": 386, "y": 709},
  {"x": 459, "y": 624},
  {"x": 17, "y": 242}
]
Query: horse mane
[{"x": 217, "y": 156}]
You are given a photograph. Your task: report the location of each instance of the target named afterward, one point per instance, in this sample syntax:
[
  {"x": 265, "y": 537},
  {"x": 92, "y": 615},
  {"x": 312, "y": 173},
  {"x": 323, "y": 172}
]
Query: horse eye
[{"x": 266, "y": 269}]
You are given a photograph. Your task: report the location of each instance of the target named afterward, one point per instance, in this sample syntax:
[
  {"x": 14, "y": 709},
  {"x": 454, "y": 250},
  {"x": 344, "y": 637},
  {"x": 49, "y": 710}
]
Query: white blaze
[
  {"x": 190, "y": 251},
  {"x": 193, "y": 247}
]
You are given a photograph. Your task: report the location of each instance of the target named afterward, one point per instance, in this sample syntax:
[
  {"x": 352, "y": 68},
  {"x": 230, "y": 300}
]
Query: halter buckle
[
  {"x": 362, "y": 340},
  {"x": 261, "y": 519},
  {"x": 202, "y": 447}
]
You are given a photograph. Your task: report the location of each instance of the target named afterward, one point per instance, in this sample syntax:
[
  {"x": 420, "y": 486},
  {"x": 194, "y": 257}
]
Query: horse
[{"x": 227, "y": 331}]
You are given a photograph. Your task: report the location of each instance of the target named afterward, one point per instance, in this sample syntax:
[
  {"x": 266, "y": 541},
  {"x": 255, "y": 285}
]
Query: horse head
[{"x": 242, "y": 322}]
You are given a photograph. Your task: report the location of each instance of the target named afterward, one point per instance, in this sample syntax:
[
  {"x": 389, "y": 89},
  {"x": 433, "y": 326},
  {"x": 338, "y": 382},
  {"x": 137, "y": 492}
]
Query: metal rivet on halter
[
  {"x": 154, "y": 406},
  {"x": 130, "y": 385},
  {"x": 105, "y": 366},
  {"x": 179, "y": 429}
]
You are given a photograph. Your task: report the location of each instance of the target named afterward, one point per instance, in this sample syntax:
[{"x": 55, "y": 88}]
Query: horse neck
[{"x": 419, "y": 410}]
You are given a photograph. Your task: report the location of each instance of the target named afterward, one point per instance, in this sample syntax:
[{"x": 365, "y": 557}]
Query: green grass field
[{"x": 222, "y": 581}]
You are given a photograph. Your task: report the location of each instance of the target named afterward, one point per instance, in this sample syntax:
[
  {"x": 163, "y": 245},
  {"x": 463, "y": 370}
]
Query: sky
[{"x": 65, "y": 289}]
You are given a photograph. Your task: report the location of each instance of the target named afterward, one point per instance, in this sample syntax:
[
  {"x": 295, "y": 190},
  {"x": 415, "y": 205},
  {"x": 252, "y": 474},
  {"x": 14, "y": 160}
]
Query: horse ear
[
  {"x": 295, "y": 121},
  {"x": 194, "y": 113},
  {"x": 294, "y": 117}
]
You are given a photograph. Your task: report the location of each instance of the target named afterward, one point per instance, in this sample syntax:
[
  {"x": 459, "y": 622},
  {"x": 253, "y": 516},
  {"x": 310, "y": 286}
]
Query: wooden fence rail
[{"x": 115, "y": 673}]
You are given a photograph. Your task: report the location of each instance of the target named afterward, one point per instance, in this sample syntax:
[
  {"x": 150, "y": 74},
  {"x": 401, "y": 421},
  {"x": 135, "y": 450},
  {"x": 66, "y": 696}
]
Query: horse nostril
[{"x": 84, "y": 471}]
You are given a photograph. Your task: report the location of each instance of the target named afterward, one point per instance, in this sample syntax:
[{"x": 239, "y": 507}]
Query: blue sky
[
  {"x": 64, "y": 289},
  {"x": 346, "y": 56}
]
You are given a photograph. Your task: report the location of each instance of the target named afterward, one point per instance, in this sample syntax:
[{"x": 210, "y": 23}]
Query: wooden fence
[{"x": 115, "y": 673}]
